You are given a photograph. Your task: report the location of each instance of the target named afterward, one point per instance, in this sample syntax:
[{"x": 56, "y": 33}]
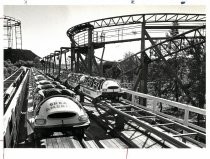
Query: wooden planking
[
  {"x": 118, "y": 141},
  {"x": 49, "y": 143},
  {"x": 71, "y": 144},
  {"x": 62, "y": 142},
  {"x": 106, "y": 144},
  {"x": 65, "y": 142},
  {"x": 76, "y": 143},
  {"x": 54, "y": 142},
  {"x": 90, "y": 144},
  {"x": 112, "y": 143}
]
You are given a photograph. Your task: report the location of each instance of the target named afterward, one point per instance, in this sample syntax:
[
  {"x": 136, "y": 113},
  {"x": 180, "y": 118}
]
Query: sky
[{"x": 44, "y": 26}]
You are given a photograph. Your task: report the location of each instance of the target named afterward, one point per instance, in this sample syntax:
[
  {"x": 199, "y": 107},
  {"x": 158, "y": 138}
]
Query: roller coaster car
[
  {"x": 43, "y": 82},
  {"x": 74, "y": 80},
  {"x": 101, "y": 88},
  {"x": 46, "y": 86},
  {"x": 59, "y": 112},
  {"x": 39, "y": 77}
]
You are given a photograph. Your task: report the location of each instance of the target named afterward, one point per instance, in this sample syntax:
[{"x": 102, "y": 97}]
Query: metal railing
[
  {"x": 154, "y": 105},
  {"x": 11, "y": 117}
]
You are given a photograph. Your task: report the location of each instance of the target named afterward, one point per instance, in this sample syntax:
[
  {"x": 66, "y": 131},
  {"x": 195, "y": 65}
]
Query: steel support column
[
  {"x": 57, "y": 56},
  {"x": 90, "y": 50},
  {"x": 101, "y": 63},
  {"x": 60, "y": 58},
  {"x": 49, "y": 59},
  {"x": 73, "y": 56},
  {"x": 54, "y": 63},
  {"x": 77, "y": 63},
  {"x": 141, "y": 80}
]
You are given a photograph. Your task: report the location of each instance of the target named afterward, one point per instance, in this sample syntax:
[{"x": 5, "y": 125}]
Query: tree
[
  {"x": 37, "y": 62},
  {"x": 197, "y": 73}
]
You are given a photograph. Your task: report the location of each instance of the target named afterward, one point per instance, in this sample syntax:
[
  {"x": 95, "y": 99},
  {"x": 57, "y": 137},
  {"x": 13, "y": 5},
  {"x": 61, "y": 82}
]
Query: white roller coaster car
[
  {"x": 60, "y": 113},
  {"x": 100, "y": 88}
]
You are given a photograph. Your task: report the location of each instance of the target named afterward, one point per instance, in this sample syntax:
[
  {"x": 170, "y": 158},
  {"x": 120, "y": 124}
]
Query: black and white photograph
[{"x": 92, "y": 79}]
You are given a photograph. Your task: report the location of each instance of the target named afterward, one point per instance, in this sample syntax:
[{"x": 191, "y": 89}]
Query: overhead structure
[
  {"x": 150, "y": 29},
  {"x": 12, "y": 33}
]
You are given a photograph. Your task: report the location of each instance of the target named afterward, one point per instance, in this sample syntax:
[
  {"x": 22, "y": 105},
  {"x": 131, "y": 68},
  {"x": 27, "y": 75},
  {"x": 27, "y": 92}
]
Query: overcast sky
[{"x": 44, "y": 27}]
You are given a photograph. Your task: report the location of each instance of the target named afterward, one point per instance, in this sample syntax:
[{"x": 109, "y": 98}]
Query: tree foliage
[
  {"x": 189, "y": 65},
  {"x": 9, "y": 68}
]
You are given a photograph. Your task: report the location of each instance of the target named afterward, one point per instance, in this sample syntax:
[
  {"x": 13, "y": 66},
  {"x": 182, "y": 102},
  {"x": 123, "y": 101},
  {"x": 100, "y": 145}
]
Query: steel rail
[
  {"x": 149, "y": 128},
  {"x": 170, "y": 121},
  {"x": 10, "y": 87},
  {"x": 124, "y": 137},
  {"x": 135, "y": 19},
  {"x": 168, "y": 40}
]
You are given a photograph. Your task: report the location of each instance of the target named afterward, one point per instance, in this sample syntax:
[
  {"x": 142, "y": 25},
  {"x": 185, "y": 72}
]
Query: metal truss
[
  {"x": 181, "y": 43},
  {"x": 135, "y": 19},
  {"x": 87, "y": 37},
  {"x": 12, "y": 32}
]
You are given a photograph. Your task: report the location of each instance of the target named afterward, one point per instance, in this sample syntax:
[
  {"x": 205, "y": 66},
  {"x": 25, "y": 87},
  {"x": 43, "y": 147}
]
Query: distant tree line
[{"x": 15, "y": 58}]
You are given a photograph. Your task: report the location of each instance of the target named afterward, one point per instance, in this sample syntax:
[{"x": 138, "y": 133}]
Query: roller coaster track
[
  {"x": 161, "y": 130},
  {"x": 121, "y": 28},
  {"x": 168, "y": 130},
  {"x": 11, "y": 85},
  {"x": 88, "y": 36},
  {"x": 135, "y": 19},
  {"x": 179, "y": 46}
]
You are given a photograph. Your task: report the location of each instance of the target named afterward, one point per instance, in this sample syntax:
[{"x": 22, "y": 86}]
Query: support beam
[
  {"x": 73, "y": 56},
  {"x": 97, "y": 67},
  {"x": 169, "y": 70},
  {"x": 56, "y": 55},
  {"x": 65, "y": 61},
  {"x": 101, "y": 63},
  {"x": 60, "y": 59},
  {"x": 90, "y": 50},
  {"x": 135, "y": 86},
  {"x": 142, "y": 74},
  {"x": 169, "y": 27},
  {"x": 83, "y": 61},
  {"x": 77, "y": 63},
  {"x": 49, "y": 59},
  {"x": 54, "y": 63}
]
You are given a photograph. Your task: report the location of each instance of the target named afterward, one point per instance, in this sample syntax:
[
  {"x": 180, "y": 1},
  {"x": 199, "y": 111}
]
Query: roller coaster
[{"x": 134, "y": 109}]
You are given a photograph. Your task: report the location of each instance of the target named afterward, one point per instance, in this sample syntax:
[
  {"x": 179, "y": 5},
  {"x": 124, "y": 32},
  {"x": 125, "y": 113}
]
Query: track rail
[
  {"x": 135, "y": 19},
  {"x": 11, "y": 85},
  {"x": 12, "y": 113},
  {"x": 114, "y": 124},
  {"x": 174, "y": 133}
]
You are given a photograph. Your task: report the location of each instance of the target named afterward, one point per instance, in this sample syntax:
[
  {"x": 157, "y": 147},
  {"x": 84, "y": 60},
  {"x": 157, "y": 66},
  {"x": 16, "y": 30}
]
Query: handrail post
[{"x": 186, "y": 116}]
